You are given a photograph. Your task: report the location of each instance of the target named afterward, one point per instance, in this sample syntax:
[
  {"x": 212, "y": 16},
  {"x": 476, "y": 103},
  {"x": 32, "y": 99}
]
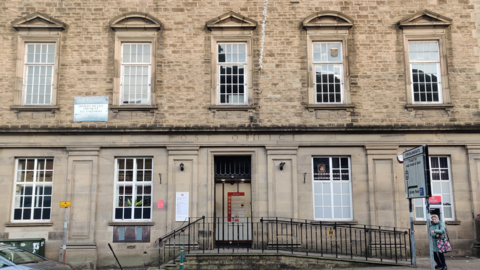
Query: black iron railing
[
  {"x": 188, "y": 236},
  {"x": 280, "y": 235}
]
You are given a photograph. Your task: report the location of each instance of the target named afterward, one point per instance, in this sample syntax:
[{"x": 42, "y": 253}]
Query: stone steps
[{"x": 267, "y": 261}]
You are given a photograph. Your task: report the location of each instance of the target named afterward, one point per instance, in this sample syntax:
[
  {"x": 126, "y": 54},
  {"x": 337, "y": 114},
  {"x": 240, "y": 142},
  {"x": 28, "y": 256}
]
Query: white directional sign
[{"x": 416, "y": 171}]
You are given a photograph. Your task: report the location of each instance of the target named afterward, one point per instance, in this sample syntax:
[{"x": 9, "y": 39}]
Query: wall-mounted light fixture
[
  {"x": 282, "y": 164},
  {"x": 181, "y": 167}
]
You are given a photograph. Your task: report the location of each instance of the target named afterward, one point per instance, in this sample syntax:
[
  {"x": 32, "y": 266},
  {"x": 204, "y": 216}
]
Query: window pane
[
  {"x": 448, "y": 213},
  {"x": 337, "y": 212},
  {"x": 445, "y": 187},
  {"x": 147, "y": 201},
  {"x": 419, "y": 213},
  {"x": 434, "y": 162},
  {"x": 327, "y": 212},
  {"x": 346, "y": 212},
  {"x": 146, "y": 213},
  {"x": 47, "y": 201},
  {"x": 345, "y": 200},
  {"x": 327, "y": 200},
  {"x": 319, "y": 212},
  {"x": 318, "y": 200},
  {"x": 321, "y": 169},
  {"x": 436, "y": 188},
  {"x": 337, "y": 200},
  {"x": 337, "y": 188}
]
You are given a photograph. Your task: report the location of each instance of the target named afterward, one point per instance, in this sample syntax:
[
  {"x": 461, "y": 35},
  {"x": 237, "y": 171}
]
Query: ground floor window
[
  {"x": 442, "y": 199},
  {"x": 332, "y": 194},
  {"x": 33, "y": 189},
  {"x": 133, "y": 189}
]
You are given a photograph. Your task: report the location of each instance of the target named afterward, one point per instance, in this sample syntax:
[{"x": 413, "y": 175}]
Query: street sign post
[
  {"x": 416, "y": 169},
  {"x": 66, "y": 205},
  {"x": 417, "y": 173}
]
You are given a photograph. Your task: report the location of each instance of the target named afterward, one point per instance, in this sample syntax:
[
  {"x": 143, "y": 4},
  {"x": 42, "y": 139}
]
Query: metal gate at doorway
[{"x": 233, "y": 207}]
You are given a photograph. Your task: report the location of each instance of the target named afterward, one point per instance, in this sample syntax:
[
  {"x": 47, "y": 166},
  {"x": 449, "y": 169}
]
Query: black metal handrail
[
  {"x": 307, "y": 237},
  {"x": 177, "y": 234},
  {"x": 172, "y": 233}
]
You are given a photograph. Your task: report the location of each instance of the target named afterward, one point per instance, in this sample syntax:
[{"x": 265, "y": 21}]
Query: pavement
[{"x": 453, "y": 263}]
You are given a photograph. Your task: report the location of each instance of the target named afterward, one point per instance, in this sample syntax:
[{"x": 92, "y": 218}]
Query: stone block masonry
[{"x": 183, "y": 62}]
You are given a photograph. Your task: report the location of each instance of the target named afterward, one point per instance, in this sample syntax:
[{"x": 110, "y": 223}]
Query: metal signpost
[
  {"x": 65, "y": 205},
  {"x": 416, "y": 169}
]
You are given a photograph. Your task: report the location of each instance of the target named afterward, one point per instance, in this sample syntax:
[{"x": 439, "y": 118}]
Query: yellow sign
[
  {"x": 331, "y": 233},
  {"x": 65, "y": 204},
  {"x": 247, "y": 214}
]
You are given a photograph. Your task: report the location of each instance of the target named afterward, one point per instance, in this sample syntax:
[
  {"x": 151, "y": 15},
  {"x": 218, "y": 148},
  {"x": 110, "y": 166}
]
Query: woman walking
[{"x": 437, "y": 228}]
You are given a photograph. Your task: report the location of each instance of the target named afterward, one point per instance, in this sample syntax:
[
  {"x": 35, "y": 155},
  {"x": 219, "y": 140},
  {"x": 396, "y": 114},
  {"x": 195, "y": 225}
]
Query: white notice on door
[
  {"x": 181, "y": 213},
  {"x": 236, "y": 206}
]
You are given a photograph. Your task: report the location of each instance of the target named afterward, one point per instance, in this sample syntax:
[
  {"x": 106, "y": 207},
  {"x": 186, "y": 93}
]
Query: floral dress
[{"x": 439, "y": 228}]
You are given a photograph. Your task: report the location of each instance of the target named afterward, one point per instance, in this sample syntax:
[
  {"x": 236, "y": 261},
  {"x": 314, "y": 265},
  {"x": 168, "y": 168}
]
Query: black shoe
[
  {"x": 444, "y": 268},
  {"x": 438, "y": 266}
]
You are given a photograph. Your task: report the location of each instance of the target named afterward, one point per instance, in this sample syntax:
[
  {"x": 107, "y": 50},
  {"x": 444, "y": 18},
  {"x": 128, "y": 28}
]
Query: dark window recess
[
  {"x": 237, "y": 167},
  {"x": 130, "y": 234}
]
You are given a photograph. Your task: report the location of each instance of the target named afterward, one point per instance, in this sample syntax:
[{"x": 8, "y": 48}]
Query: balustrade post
[
  {"x": 365, "y": 238},
  {"x": 306, "y": 237},
  {"x": 276, "y": 230},
  {"x": 261, "y": 221}
]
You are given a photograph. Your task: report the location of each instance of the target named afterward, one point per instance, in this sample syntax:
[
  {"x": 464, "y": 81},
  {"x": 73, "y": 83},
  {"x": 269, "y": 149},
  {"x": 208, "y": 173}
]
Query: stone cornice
[
  {"x": 314, "y": 21},
  {"x": 47, "y": 22},
  {"x": 159, "y": 128},
  {"x": 236, "y": 21},
  {"x": 432, "y": 20},
  {"x": 135, "y": 20}
]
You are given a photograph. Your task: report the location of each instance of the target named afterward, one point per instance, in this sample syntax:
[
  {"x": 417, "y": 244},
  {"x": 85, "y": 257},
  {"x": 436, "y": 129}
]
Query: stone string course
[{"x": 280, "y": 88}]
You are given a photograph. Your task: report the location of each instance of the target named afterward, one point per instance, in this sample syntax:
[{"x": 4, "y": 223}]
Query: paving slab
[{"x": 453, "y": 263}]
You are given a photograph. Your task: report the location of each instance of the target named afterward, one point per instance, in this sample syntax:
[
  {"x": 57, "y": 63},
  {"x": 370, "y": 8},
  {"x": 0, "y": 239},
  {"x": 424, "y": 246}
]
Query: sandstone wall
[{"x": 280, "y": 88}]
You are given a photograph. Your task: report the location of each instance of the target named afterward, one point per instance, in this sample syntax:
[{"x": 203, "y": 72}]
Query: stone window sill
[
  {"x": 429, "y": 106},
  {"x": 81, "y": 245},
  {"x": 232, "y": 108},
  {"x": 314, "y": 107},
  {"x": 451, "y": 222},
  {"x": 342, "y": 222},
  {"x": 133, "y": 108},
  {"x": 34, "y": 108},
  {"x": 131, "y": 223},
  {"x": 29, "y": 224}
]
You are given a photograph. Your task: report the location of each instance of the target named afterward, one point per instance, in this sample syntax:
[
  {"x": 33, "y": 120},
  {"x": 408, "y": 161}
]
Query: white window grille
[
  {"x": 38, "y": 77},
  {"x": 440, "y": 176},
  {"x": 425, "y": 72},
  {"x": 332, "y": 188},
  {"x": 232, "y": 67},
  {"x": 133, "y": 189},
  {"x": 33, "y": 189},
  {"x": 136, "y": 74},
  {"x": 328, "y": 66}
]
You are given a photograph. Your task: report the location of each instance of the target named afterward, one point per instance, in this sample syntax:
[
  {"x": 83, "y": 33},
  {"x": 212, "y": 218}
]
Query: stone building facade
[{"x": 315, "y": 85}]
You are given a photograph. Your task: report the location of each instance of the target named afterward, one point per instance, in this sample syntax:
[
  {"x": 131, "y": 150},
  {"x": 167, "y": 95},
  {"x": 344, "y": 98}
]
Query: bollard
[{"x": 181, "y": 258}]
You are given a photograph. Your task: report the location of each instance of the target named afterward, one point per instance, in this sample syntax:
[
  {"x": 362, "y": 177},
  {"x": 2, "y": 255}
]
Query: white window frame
[
  {"x": 439, "y": 72},
  {"x": 331, "y": 181},
  {"x": 421, "y": 202},
  {"x": 33, "y": 64},
  {"x": 122, "y": 70},
  {"x": 134, "y": 184},
  {"x": 33, "y": 184},
  {"x": 245, "y": 79},
  {"x": 334, "y": 63}
]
